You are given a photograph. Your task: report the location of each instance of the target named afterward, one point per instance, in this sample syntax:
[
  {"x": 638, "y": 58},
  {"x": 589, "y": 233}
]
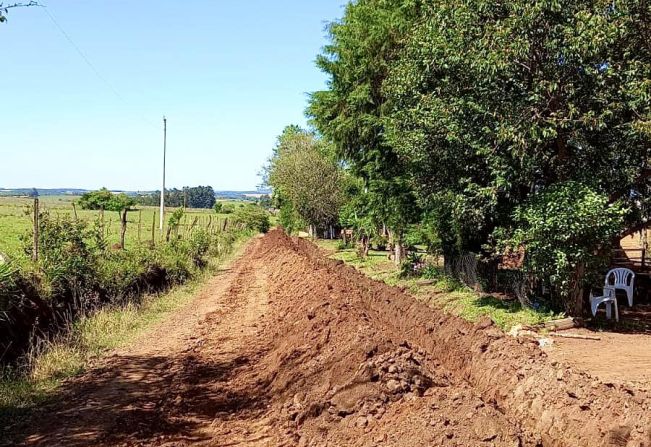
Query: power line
[{"x": 91, "y": 66}]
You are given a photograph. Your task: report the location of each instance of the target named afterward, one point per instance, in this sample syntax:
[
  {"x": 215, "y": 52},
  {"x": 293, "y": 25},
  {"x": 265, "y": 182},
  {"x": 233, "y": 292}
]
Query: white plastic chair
[
  {"x": 609, "y": 298},
  {"x": 621, "y": 279}
]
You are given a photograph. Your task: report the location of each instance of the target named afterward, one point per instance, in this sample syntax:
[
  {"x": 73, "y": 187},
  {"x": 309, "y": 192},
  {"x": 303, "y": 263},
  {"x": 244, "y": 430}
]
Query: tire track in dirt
[
  {"x": 292, "y": 349},
  {"x": 168, "y": 388}
]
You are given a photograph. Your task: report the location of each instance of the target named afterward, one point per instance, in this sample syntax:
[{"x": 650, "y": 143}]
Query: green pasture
[{"x": 16, "y": 221}]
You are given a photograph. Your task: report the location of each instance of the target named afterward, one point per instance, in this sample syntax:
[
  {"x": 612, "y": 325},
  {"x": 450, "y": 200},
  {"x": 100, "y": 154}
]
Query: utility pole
[{"x": 162, "y": 191}]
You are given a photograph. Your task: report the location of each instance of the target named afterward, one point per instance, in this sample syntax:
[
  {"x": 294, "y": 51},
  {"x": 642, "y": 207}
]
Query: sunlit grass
[
  {"x": 16, "y": 221},
  {"x": 442, "y": 291}
]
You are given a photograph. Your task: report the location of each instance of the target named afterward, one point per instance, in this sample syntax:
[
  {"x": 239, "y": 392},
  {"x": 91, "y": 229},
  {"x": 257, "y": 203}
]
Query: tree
[
  {"x": 491, "y": 104},
  {"x": 349, "y": 113},
  {"x": 105, "y": 200},
  {"x": 305, "y": 175},
  {"x": 481, "y": 109}
]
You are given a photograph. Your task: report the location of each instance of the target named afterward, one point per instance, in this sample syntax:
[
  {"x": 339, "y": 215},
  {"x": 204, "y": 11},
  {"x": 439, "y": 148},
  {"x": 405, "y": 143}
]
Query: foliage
[
  {"x": 289, "y": 219},
  {"x": 412, "y": 265},
  {"x": 106, "y": 200},
  {"x": 77, "y": 274},
  {"x": 303, "y": 172},
  {"x": 66, "y": 258},
  {"x": 265, "y": 201},
  {"x": 362, "y": 47},
  {"x": 474, "y": 108},
  {"x": 567, "y": 225},
  {"x": 219, "y": 207},
  {"x": 189, "y": 197},
  {"x": 253, "y": 218}
]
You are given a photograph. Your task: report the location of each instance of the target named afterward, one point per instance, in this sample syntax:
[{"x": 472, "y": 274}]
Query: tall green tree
[
  {"x": 363, "y": 45},
  {"x": 493, "y": 103},
  {"x": 306, "y": 178}
]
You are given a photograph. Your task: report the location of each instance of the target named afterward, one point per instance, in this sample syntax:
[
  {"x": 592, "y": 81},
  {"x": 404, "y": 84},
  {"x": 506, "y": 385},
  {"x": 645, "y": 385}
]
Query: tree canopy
[
  {"x": 306, "y": 178},
  {"x": 484, "y": 112},
  {"x": 105, "y": 200}
]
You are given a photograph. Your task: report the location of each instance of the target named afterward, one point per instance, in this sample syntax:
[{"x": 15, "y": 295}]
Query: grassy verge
[
  {"x": 442, "y": 292},
  {"x": 49, "y": 364}
]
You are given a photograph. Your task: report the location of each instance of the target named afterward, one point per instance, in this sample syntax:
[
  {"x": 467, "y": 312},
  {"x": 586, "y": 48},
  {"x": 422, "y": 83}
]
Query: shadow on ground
[{"x": 139, "y": 400}]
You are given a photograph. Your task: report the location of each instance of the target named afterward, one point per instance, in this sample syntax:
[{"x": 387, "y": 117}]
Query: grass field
[
  {"x": 16, "y": 221},
  {"x": 444, "y": 292}
]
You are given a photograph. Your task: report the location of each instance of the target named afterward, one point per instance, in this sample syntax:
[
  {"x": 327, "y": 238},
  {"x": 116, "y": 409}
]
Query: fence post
[
  {"x": 35, "y": 232},
  {"x": 123, "y": 228},
  {"x": 153, "y": 231},
  {"x": 139, "y": 224},
  {"x": 101, "y": 221},
  {"x": 74, "y": 211}
]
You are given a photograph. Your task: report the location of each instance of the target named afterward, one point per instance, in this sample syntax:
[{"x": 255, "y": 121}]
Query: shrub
[
  {"x": 252, "y": 218},
  {"x": 106, "y": 200},
  {"x": 565, "y": 230},
  {"x": 412, "y": 265},
  {"x": 67, "y": 261}
]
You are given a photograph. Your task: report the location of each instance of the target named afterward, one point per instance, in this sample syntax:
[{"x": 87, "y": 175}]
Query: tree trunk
[{"x": 575, "y": 303}]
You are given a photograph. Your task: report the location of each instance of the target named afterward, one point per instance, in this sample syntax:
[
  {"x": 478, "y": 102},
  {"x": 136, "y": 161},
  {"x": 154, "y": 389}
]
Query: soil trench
[{"x": 288, "y": 348}]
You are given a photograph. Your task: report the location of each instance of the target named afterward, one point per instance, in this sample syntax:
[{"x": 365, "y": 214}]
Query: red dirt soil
[{"x": 291, "y": 349}]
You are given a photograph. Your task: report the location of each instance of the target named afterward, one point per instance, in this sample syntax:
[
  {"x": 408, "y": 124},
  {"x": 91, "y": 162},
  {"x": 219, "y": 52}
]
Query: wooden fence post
[
  {"x": 153, "y": 231},
  {"x": 101, "y": 221},
  {"x": 123, "y": 228},
  {"x": 139, "y": 224},
  {"x": 35, "y": 233},
  {"x": 74, "y": 211}
]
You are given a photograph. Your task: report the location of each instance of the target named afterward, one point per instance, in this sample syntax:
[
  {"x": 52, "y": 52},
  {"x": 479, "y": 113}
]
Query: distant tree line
[{"x": 190, "y": 197}]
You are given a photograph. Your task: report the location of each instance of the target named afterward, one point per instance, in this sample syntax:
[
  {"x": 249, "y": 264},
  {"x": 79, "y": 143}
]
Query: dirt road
[{"x": 290, "y": 349}]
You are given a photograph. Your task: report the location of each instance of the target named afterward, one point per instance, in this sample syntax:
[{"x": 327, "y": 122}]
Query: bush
[
  {"x": 77, "y": 274},
  {"x": 252, "y": 218},
  {"x": 566, "y": 229},
  {"x": 412, "y": 266},
  {"x": 218, "y": 207},
  {"x": 106, "y": 200},
  {"x": 66, "y": 259}
]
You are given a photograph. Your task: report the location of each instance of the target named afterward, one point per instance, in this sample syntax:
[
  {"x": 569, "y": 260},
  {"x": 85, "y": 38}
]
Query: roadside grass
[
  {"x": 49, "y": 364},
  {"x": 442, "y": 291}
]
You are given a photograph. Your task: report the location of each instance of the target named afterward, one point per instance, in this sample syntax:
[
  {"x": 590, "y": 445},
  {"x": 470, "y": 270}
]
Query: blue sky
[{"x": 229, "y": 75}]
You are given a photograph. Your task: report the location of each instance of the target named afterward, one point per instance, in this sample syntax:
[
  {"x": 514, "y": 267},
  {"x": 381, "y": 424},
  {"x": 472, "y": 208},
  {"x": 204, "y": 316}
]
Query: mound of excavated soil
[
  {"x": 359, "y": 363},
  {"x": 305, "y": 351}
]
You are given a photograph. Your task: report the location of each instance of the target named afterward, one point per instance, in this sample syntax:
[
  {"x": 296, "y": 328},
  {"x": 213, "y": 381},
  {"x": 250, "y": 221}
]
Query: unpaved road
[{"x": 290, "y": 349}]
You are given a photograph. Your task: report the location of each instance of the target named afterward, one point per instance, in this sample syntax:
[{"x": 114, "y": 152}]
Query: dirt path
[
  {"x": 613, "y": 358},
  {"x": 168, "y": 386},
  {"x": 290, "y": 349}
]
